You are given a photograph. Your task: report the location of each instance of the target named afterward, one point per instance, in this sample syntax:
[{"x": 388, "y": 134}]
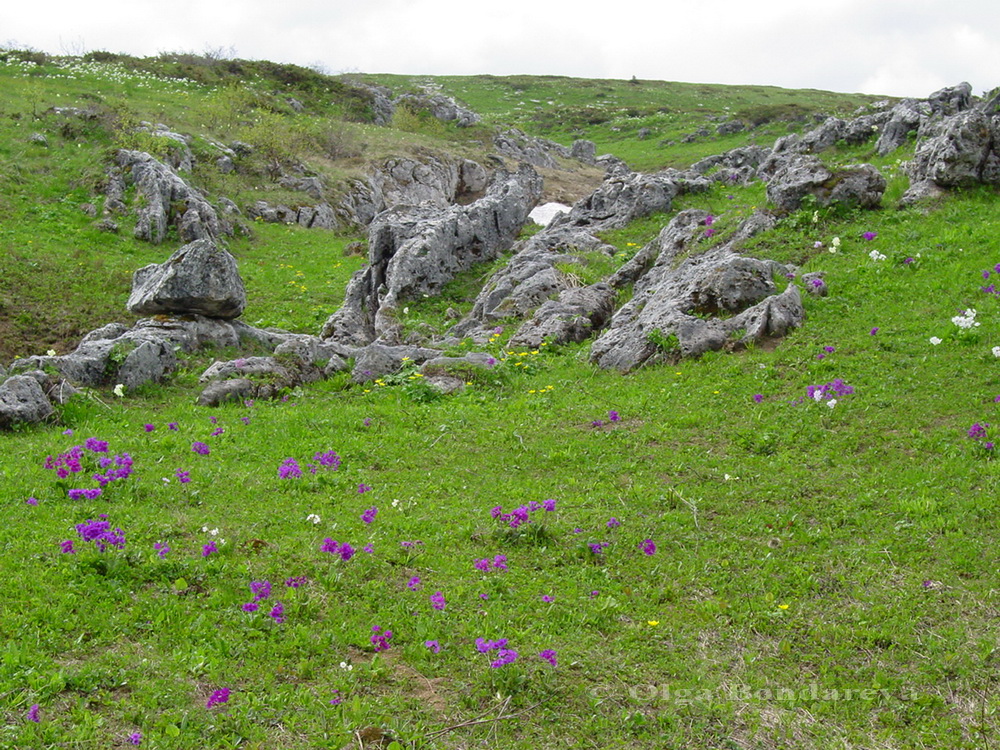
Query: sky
[{"x": 890, "y": 47}]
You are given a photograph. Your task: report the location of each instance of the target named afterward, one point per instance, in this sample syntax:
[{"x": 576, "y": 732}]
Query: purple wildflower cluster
[
  {"x": 549, "y": 655},
  {"x": 499, "y": 562},
  {"x": 521, "y": 514},
  {"x": 217, "y": 698},
  {"x": 100, "y": 533},
  {"x": 504, "y": 655},
  {"x": 979, "y": 432},
  {"x": 200, "y": 448},
  {"x": 289, "y": 469},
  {"x": 345, "y": 551},
  {"x": 380, "y": 638},
  {"x": 437, "y": 600},
  {"x": 991, "y": 288},
  {"x": 833, "y": 389},
  {"x": 115, "y": 468},
  {"x": 369, "y": 515}
]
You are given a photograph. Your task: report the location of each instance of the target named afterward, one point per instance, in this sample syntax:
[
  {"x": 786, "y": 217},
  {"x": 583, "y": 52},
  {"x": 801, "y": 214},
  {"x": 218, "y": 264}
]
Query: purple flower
[
  {"x": 549, "y": 505},
  {"x": 135, "y": 738},
  {"x": 336, "y": 699},
  {"x": 613, "y": 416},
  {"x": 200, "y": 448},
  {"x": 504, "y": 656},
  {"x": 597, "y": 547},
  {"x": 709, "y": 220},
  {"x": 217, "y": 431},
  {"x": 594, "y": 593},
  {"x": 217, "y": 698},
  {"x": 710, "y": 231},
  {"x": 368, "y": 548},
  {"x": 66, "y": 547},
  {"x": 870, "y": 235},
  {"x": 173, "y": 426},
  {"x": 613, "y": 523},
  {"x": 434, "y": 646},
  {"x": 96, "y": 446},
  {"x": 817, "y": 283},
  {"x": 597, "y": 423},
  {"x": 289, "y": 469},
  {"x": 648, "y": 547},
  {"x": 549, "y": 655},
  {"x": 161, "y": 549},
  {"x": 500, "y": 562},
  {"x": 483, "y": 565},
  {"x": 437, "y": 600},
  {"x": 208, "y": 549},
  {"x": 484, "y": 646},
  {"x": 380, "y": 640},
  {"x": 277, "y": 613},
  {"x": 758, "y": 397},
  {"x": 369, "y": 515},
  {"x": 413, "y": 584},
  {"x": 296, "y": 582},
  {"x": 33, "y": 714},
  {"x": 251, "y": 607},
  {"x": 367, "y": 422},
  {"x": 91, "y": 494},
  {"x": 182, "y": 476},
  {"x": 363, "y": 488},
  {"x": 329, "y": 460},
  {"x": 213, "y": 419},
  {"x": 32, "y": 501},
  {"x": 149, "y": 427},
  {"x": 260, "y": 590},
  {"x": 829, "y": 349},
  {"x": 548, "y": 599},
  {"x": 978, "y": 431},
  {"x": 100, "y": 533},
  {"x": 873, "y": 331}
]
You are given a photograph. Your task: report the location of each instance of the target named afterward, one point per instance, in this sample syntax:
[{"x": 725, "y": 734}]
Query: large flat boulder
[{"x": 199, "y": 278}]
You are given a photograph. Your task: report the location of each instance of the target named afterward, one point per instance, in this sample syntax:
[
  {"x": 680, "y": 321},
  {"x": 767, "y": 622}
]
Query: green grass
[{"x": 823, "y": 577}]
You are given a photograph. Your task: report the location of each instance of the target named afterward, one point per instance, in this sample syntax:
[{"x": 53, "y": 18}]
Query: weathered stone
[
  {"x": 575, "y": 316},
  {"x": 951, "y": 100},
  {"x": 538, "y": 152},
  {"x": 165, "y": 199},
  {"x": 441, "y": 107},
  {"x": 584, "y": 150},
  {"x": 219, "y": 392},
  {"x": 956, "y": 151},
  {"x": 199, "y": 278},
  {"x": 23, "y": 400},
  {"x": 802, "y": 175},
  {"x": 904, "y": 119},
  {"x": 705, "y": 302},
  {"x": 376, "y": 360},
  {"x": 414, "y": 251}
]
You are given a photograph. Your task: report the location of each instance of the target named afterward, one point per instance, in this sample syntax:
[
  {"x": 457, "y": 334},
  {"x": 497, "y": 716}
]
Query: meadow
[{"x": 790, "y": 546}]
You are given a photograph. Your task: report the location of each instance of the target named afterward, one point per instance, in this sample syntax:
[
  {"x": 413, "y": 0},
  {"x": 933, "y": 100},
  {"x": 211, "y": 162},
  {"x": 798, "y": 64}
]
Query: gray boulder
[
  {"x": 199, "y": 278},
  {"x": 705, "y": 302},
  {"x": 413, "y": 251},
  {"x": 441, "y": 107},
  {"x": 575, "y": 316},
  {"x": 584, "y": 150},
  {"x": 799, "y": 176},
  {"x": 377, "y": 360},
  {"x": 904, "y": 119},
  {"x": 958, "y": 151},
  {"x": 23, "y": 400},
  {"x": 538, "y": 152},
  {"x": 163, "y": 199},
  {"x": 951, "y": 100}
]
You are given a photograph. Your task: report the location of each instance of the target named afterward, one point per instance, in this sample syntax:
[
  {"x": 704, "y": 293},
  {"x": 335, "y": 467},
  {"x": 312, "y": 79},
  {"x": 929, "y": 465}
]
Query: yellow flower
[
  {"x": 782, "y": 606},
  {"x": 652, "y": 623}
]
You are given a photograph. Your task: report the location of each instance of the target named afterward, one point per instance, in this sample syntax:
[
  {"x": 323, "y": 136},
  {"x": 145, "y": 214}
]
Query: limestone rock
[
  {"x": 166, "y": 200},
  {"x": 23, "y": 400},
  {"x": 575, "y": 316},
  {"x": 199, "y": 278},
  {"x": 414, "y": 251},
  {"x": 804, "y": 175}
]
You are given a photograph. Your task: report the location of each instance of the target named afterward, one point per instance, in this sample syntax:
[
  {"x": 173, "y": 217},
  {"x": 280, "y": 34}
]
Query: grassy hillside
[{"x": 727, "y": 563}]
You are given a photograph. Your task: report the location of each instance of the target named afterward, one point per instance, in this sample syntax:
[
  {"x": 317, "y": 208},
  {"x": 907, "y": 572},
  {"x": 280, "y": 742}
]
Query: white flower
[
  {"x": 996, "y": 351},
  {"x": 935, "y": 340},
  {"x": 345, "y": 665},
  {"x": 876, "y": 255},
  {"x": 50, "y": 353},
  {"x": 835, "y": 244},
  {"x": 313, "y": 517},
  {"x": 831, "y": 403},
  {"x": 119, "y": 390},
  {"x": 966, "y": 319},
  {"x": 815, "y": 216}
]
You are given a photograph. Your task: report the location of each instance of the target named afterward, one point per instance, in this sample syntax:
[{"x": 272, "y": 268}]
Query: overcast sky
[{"x": 892, "y": 47}]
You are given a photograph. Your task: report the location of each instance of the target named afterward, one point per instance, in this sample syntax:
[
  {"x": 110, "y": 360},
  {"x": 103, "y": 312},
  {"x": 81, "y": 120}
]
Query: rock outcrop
[
  {"x": 163, "y": 200},
  {"x": 414, "y": 251},
  {"x": 958, "y": 151},
  {"x": 859, "y": 185},
  {"x": 686, "y": 306}
]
